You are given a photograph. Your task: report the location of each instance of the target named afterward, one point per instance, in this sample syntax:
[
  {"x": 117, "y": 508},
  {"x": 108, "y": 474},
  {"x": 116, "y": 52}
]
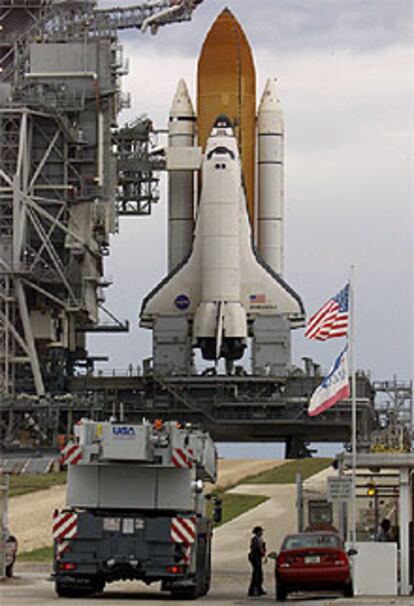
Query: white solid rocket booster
[
  {"x": 181, "y": 133},
  {"x": 270, "y": 173}
]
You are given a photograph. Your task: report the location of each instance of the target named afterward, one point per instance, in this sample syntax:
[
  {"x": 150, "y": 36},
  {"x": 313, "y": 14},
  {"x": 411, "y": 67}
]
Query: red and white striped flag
[
  {"x": 334, "y": 387},
  {"x": 332, "y": 318}
]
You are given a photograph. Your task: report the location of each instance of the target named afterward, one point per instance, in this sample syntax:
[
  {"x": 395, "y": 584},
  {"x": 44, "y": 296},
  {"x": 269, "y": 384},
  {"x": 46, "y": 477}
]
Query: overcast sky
[{"x": 346, "y": 81}]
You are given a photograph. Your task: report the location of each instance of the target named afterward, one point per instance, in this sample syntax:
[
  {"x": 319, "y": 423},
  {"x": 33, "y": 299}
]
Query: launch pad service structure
[
  {"x": 68, "y": 173},
  {"x": 226, "y": 236}
]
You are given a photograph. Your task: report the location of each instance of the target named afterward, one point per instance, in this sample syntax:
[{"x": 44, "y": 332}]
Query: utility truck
[{"x": 135, "y": 508}]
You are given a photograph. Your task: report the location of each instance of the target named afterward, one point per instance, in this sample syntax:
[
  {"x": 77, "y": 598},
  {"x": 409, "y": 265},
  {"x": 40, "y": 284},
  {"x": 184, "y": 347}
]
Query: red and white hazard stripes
[
  {"x": 183, "y": 530},
  {"x": 186, "y": 557},
  {"x": 70, "y": 454},
  {"x": 61, "y": 547},
  {"x": 65, "y": 525},
  {"x": 182, "y": 457}
]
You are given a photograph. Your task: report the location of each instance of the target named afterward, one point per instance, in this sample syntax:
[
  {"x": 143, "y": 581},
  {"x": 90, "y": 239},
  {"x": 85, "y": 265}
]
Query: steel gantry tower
[{"x": 64, "y": 173}]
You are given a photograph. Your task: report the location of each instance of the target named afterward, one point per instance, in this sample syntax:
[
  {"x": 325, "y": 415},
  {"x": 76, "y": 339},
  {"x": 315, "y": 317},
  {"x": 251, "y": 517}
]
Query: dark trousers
[{"x": 256, "y": 582}]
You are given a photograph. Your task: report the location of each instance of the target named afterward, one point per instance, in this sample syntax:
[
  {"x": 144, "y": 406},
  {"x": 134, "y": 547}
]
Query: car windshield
[{"x": 305, "y": 541}]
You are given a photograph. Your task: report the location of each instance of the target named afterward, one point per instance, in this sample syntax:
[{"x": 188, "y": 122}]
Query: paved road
[
  {"x": 277, "y": 516},
  {"x": 33, "y": 589},
  {"x": 230, "y": 566}
]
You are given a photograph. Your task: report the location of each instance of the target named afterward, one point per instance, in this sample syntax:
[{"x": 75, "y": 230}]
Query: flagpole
[{"x": 353, "y": 400}]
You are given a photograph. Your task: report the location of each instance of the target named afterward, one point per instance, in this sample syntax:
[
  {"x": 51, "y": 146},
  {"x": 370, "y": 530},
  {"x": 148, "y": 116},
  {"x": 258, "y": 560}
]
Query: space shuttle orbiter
[{"x": 223, "y": 284}]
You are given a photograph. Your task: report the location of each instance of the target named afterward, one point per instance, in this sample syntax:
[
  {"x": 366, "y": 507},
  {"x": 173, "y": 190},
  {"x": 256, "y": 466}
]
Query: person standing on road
[{"x": 256, "y": 554}]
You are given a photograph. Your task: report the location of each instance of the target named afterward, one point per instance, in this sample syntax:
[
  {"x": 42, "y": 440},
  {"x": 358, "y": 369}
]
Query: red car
[{"x": 312, "y": 561}]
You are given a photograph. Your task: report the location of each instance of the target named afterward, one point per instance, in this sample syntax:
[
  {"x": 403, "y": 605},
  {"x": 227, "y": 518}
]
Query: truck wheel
[
  {"x": 206, "y": 567},
  {"x": 97, "y": 585},
  {"x": 189, "y": 593},
  {"x": 65, "y": 591}
]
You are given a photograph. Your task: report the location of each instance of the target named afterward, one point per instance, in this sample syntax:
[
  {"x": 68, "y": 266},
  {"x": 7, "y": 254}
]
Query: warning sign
[{"x": 339, "y": 488}]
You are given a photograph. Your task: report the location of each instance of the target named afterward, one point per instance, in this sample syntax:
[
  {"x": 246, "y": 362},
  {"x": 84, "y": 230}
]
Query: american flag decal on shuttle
[
  {"x": 257, "y": 298},
  {"x": 70, "y": 454},
  {"x": 183, "y": 530},
  {"x": 65, "y": 525},
  {"x": 182, "y": 457}
]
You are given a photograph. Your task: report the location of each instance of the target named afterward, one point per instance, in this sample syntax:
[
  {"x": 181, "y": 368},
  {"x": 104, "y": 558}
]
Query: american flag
[
  {"x": 258, "y": 298},
  {"x": 332, "y": 319}
]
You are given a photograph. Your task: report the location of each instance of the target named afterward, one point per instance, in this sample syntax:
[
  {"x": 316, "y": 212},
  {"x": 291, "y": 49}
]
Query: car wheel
[
  {"x": 281, "y": 593},
  {"x": 349, "y": 590}
]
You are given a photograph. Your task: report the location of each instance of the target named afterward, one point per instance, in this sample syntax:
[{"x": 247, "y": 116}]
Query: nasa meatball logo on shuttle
[{"x": 182, "y": 302}]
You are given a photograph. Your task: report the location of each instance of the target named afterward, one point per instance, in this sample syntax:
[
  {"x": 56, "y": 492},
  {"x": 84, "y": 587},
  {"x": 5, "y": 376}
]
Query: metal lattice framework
[
  {"x": 40, "y": 236},
  {"x": 396, "y": 415},
  {"x": 77, "y": 19},
  {"x": 138, "y": 162},
  {"x": 61, "y": 184}
]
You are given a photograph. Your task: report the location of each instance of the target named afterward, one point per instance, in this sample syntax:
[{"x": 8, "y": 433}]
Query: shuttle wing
[
  {"x": 264, "y": 292},
  {"x": 178, "y": 294}
]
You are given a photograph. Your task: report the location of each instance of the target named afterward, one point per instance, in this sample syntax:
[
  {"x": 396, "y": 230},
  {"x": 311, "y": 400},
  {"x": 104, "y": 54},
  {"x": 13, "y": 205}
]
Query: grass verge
[
  {"x": 42, "y": 554},
  {"x": 286, "y": 474},
  {"x": 23, "y": 484},
  {"x": 234, "y": 505}
]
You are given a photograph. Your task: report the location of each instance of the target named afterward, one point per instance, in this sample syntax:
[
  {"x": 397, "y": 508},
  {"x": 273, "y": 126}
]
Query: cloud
[{"x": 296, "y": 26}]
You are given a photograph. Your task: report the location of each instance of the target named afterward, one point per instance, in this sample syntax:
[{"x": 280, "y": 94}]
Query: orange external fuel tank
[{"x": 226, "y": 84}]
